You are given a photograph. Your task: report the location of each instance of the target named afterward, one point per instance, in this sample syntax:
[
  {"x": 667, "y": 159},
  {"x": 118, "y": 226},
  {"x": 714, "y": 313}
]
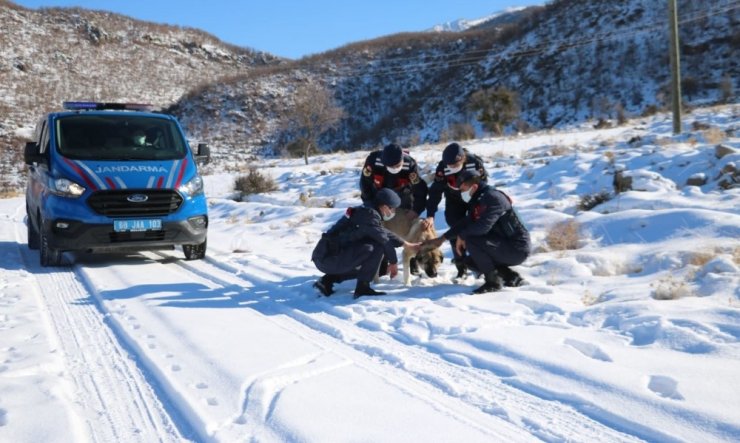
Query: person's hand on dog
[
  {"x": 427, "y": 223},
  {"x": 413, "y": 247},
  {"x": 393, "y": 270},
  {"x": 460, "y": 246}
]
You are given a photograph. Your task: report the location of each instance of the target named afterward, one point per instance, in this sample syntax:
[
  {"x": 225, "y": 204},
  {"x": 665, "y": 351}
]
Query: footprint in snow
[
  {"x": 202, "y": 385},
  {"x": 212, "y": 401},
  {"x": 665, "y": 387},
  {"x": 588, "y": 349},
  {"x": 175, "y": 368},
  {"x": 3, "y": 417}
]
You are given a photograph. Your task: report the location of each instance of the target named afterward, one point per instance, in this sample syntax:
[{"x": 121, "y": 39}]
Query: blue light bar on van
[{"x": 90, "y": 106}]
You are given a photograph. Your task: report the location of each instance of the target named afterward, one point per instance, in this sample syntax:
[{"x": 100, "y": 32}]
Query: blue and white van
[{"x": 106, "y": 177}]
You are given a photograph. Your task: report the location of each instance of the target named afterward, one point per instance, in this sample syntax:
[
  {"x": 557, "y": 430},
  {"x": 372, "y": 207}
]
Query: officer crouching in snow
[
  {"x": 355, "y": 245},
  {"x": 491, "y": 233},
  {"x": 455, "y": 160}
]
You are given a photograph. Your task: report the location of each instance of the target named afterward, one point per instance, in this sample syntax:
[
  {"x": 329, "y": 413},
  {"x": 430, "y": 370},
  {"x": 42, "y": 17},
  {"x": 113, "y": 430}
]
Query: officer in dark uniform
[
  {"x": 455, "y": 160},
  {"x": 492, "y": 234},
  {"x": 355, "y": 245},
  {"x": 393, "y": 169}
]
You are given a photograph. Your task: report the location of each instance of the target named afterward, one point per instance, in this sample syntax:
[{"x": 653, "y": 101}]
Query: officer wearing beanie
[
  {"x": 447, "y": 179},
  {"x": 391, "y": 168},
  {"x": 355, "y": 245},
  {"x": 492, "y": 234}
]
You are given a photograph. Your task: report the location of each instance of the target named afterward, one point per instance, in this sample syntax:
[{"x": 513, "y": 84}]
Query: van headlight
[
  {"x": 65, "y": 188},
  {"x": 193, "y": 187}
]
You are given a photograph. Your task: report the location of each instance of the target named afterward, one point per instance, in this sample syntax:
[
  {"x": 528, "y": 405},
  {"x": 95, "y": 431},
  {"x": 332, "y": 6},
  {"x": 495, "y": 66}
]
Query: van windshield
[{"x": 119, "y": 137}]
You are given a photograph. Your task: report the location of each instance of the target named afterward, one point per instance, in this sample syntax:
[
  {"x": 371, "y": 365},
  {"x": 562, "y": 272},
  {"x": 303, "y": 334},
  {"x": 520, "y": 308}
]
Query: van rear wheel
[{"x": 195, "y": 252}]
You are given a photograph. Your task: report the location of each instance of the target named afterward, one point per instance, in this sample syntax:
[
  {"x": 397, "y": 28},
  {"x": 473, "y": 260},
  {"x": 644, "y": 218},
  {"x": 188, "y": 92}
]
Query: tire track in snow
[
  {"x": 262, "y": 392},
  {"x": 110, "y": 395},
  {"x": 474, "y": 387}
]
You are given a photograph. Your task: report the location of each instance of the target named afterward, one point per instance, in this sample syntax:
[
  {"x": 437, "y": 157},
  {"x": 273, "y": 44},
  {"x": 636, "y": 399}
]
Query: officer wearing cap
[
  {"x": 394, "y": 169},
  {"x": 492, "y": 233},
  {"x": 355, "y": 245},
  {"x": 455, "y": 160}
]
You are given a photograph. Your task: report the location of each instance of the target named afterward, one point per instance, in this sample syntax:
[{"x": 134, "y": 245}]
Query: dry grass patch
[
  {"x": 671, "y": 288},
  {"x": 701, "y": 258},
  {"x": 564, "y": 236},
  {"x": 714, "y": 135},
  {"x": 254, "y": 182}
]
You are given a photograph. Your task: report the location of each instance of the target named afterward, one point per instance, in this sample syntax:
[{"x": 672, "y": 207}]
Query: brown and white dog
[{"x": 413, "y": 231}]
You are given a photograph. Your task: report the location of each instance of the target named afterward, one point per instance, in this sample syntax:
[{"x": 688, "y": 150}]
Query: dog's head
[{"x": 429, "y": 258}]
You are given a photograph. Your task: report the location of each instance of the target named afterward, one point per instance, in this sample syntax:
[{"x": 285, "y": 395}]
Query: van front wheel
[
  {"x": 49, "y": 256},
  {"x": 33, "y": 234},
  {"x": 195, "y": 252}
]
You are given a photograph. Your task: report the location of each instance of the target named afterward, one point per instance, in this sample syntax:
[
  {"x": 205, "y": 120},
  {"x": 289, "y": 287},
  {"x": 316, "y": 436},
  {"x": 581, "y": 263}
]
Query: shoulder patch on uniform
[{"x": 367, "y": 171}]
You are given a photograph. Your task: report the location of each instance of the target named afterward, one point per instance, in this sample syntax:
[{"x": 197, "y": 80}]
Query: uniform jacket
[
  {"x": 449, "y": 184},
  {"x": 490, "y": 214},
  {"x": 406, "y": 183},
  {"x": 361, "y": 224}
]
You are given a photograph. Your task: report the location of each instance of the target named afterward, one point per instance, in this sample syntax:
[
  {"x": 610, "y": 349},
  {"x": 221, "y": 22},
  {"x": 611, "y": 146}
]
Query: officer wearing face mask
[
  {"x": 455, "y": 160},
  {"x": 391, "y": 168},
  {"x": 492, "y": 234},
  {"x": 356, "y": 244}
]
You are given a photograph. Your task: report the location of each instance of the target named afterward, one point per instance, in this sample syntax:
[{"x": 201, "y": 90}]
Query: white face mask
[
  {"x": 389, "y": 216},
  {"x": 455, "y": 170},
  {"x": 395, "y": 170},
  {"x": 467, "y": 195}
]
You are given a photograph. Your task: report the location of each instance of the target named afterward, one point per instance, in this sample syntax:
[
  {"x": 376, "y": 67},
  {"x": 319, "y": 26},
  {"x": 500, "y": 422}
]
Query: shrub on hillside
[
  {"x": 458, "y": 131},
  {"x": 254, "y": 183},
  {"x": 590, "y": 201}
]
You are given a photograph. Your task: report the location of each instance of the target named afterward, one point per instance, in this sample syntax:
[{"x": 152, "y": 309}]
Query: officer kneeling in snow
[
  {"x": 355, "y": 245},
  {"x": 491, "y": 233}
]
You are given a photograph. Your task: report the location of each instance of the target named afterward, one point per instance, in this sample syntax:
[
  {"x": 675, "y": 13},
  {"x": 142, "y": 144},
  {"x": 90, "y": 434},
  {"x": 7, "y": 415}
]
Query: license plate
[{"x": 137, "y": 225}]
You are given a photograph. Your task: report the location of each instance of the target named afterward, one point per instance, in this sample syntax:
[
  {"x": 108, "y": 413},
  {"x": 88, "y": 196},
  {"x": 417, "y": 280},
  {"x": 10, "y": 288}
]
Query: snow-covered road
[{"x": 239, "y": 347}]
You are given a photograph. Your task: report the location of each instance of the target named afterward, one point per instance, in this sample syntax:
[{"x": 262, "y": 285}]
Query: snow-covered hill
[
  {"x": 568, "y": 61},
  {"x": 506, "y": 17},
  {"x": 634, "y": 335}
]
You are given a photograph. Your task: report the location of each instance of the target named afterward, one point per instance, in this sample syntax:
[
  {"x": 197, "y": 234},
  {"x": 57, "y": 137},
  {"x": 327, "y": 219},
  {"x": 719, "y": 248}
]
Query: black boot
[
  {"x": 363, "y": 288},
  {"x": 325, "y": 285},
  {"x": 510, "y": 277},
  {"x": 493, "y": 283},
  {"x": 461, "y": 268},
  {"x": 414, "y": 266},
  {"x": 470, "y": 264}
]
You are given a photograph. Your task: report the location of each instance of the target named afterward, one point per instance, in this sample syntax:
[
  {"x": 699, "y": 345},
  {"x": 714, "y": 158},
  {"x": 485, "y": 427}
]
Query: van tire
[
  {"x": 195, "y": 252},
  {"x": 33, "y": 234},
  {"x": 48, "y": 256}
]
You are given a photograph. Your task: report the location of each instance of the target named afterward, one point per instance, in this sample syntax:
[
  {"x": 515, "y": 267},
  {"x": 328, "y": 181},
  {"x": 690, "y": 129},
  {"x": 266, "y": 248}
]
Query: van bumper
[{"x": 74, "y": 235}]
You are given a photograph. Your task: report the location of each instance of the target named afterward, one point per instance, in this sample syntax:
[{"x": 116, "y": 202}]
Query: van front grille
[{"x": 135, "y": 203}]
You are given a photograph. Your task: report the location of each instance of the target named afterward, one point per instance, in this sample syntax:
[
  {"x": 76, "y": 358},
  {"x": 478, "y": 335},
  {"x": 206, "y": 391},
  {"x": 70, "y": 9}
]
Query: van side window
[{"x": 44, "y": 139}]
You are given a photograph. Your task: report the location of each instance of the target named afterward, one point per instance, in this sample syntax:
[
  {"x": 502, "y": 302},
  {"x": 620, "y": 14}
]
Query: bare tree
[{"x": 313, "y": 112}]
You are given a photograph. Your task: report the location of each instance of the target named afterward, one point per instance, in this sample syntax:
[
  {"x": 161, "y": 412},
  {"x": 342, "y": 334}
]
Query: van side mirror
[
  {"x": 203, "y": 156},
  {"x": 31, "y": 154}
]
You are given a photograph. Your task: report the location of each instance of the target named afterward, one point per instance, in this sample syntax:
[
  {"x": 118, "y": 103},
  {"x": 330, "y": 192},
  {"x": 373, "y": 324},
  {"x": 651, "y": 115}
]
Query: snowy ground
[{"x": 633, "y": 336}]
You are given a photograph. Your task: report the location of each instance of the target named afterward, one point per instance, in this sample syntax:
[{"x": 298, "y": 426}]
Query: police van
[{"x": 106, "y": 177}]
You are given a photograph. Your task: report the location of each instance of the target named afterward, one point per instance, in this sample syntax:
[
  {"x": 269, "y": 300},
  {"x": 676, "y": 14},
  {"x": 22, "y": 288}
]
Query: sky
[
  {"x": 296, "y": 28},
  {"x": 632, "y": 336}
]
